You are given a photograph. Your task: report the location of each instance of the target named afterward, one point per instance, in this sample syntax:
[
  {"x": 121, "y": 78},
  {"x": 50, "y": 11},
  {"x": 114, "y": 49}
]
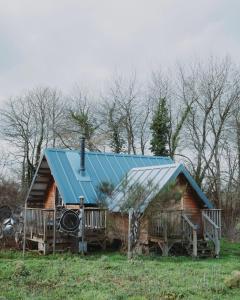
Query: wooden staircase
[
  {"x": 204, "y": 249},
  {"x": 200, "y": 245}
]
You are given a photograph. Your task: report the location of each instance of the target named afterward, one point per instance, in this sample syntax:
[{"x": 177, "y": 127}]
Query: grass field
[{"x": 111, "y": 276}]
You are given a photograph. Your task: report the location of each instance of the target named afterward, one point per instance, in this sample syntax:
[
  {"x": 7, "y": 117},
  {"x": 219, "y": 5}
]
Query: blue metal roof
[
  {"x": 153, "y": 179},
  {"x": 100, "y": 167}
]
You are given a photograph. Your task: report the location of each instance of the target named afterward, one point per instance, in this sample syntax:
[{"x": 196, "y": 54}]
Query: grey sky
[{"x": 63, "y": 42}]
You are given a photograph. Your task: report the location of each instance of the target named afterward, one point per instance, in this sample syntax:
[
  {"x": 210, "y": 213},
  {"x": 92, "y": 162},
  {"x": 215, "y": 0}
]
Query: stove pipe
[{"x": 82, "y": 156}]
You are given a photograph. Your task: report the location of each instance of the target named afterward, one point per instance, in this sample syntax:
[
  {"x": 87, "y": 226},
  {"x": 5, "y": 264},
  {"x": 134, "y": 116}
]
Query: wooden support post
[
  {"x": 195, "y": 243},
  {"x": 105, "y": 229},
  {"x": 130, "y": 213},
  {"x": 81, "y": 200},
  {"x": 54, "y": 230},
  {"x": 220, "y": 224},
  {"x": 165, "y": 233},
  {"x": 165, "y": 247},
  {"x": 24, "y": 229},
  {"x": 32, "y": 218},
  {"x": 44, "y": 227},
  {"x": 217, "y": 243}
]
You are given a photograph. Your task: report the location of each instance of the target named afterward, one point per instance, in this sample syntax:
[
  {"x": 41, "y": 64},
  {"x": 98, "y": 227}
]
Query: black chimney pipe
[{"x": 82, "y": 155}]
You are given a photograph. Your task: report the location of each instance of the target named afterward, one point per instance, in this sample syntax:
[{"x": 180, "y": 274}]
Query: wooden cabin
[
  {"x": 172, "y": 211},
  {"x": 61, "y": 179},
  {"x": 103, "y": 181}
]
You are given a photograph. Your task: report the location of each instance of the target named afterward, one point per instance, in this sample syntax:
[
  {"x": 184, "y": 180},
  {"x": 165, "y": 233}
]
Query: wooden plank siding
[
  {"x": 49, "y": 201},
  {"x": 117, "y": 225},
  {"x": 190, "y": 202}
]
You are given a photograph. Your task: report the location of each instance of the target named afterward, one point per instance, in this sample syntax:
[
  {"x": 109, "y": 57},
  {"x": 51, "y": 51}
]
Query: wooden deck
[
  {"x": 191, "y": 228},
  {"x": 41, "y": 226}
]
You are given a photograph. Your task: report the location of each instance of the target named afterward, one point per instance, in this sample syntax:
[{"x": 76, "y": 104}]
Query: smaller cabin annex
[{"x": 172, "y": 210}]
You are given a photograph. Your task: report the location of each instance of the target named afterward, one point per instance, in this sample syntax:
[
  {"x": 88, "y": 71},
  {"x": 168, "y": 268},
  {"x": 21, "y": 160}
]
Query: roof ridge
[
  {"x": 157, "y": 167},
  {"x": 107, "y": 153}
]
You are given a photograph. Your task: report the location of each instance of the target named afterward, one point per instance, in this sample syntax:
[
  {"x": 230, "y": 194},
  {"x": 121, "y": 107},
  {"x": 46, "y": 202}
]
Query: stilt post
[
  {"x": 195, "y": 243},
  {"x": 54, "y": 230},
  {"x": 81, "y": 200},
  {"x": 24, "y": 228},
  {"x": 130, "y": 213}
]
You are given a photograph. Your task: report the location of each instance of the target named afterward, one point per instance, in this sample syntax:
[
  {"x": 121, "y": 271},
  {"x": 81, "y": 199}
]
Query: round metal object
[{"x": 69, "y": 221}]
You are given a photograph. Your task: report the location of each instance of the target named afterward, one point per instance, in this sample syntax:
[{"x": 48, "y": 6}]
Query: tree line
[{"x": 190, "y": 113}]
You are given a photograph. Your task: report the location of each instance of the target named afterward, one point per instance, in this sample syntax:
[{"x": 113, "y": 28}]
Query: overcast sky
[{"x": 61, "y": 43}]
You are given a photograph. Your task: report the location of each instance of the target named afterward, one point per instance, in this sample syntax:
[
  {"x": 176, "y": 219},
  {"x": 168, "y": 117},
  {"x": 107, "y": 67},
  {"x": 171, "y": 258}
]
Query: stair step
[{"x": 203, "y": 249}]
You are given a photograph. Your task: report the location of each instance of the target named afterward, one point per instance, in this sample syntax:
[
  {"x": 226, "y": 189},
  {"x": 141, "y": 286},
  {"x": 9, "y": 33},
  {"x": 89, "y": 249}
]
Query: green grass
[{"x": 111, "y": 276}]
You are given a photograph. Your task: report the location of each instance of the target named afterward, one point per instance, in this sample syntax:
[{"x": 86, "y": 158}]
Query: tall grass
[{"x": 112, "y": 276}]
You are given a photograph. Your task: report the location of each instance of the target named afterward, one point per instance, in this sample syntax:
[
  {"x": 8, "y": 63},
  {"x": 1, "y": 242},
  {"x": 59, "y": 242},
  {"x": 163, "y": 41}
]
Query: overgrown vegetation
[
  {"x": 104, "y": 190},
  {"x": 136, "y": 194},
  {"x": 112, "y": 276},
  {"x": 167, "y": 198}
]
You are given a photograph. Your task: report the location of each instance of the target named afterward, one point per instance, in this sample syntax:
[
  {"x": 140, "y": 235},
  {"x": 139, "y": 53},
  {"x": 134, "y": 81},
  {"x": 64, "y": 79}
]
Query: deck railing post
[
  {"x": 54, "y": 230},
  {"x": 44, "y": 227},
  {"x": 24, "y": 229},
  {"x": 130, "y": 213},
  {"x": 194, "y": 243},
  {"x": 217, "y": 243},
  {"x": 81, "y": 200}
]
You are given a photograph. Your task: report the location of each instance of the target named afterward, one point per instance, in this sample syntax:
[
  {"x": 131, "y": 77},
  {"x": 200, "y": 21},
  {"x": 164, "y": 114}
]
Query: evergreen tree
[{"x": 160, "y": 128}]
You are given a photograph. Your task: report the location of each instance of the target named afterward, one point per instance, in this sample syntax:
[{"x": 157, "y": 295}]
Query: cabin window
[{"x": 58, "y": 198}]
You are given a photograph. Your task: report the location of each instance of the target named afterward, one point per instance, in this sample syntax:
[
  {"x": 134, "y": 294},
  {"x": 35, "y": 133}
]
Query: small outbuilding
[{"x": 170, "y": 208}]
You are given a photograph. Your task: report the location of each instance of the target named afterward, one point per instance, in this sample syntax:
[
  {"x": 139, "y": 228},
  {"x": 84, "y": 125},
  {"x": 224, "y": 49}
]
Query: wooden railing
[
  {"x": 190, "y": 233},
  {"x": 166, "y": 224},
  {"x": 215, "y": 216},
  {"x": 95, "y": 218},
  {"x": 211, "y": 231},
  {"x": 38, "y": 223}
]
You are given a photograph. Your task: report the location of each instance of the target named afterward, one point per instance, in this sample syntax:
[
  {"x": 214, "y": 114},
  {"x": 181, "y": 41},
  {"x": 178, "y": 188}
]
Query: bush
[
  {"x": 233, "y": 281},
  {"x": 21, "y": 270}
]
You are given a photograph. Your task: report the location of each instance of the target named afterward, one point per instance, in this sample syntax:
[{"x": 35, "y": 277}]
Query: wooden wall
[
  {"x": 118, "y": 228},
  {"x": 118, "y": 223},
  {"x": 49, "y": 201},
  {"x": 190, "y": 200}
]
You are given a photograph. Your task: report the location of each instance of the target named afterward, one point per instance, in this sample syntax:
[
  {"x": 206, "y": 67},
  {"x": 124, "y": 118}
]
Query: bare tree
[
  {"x": 112, "y": 124},
  {"x": 211, "y": 91},
  {"x": 26, "y": 124},
  {"x": 82, "y": 119},
  {"x": 125, "y": 94}
]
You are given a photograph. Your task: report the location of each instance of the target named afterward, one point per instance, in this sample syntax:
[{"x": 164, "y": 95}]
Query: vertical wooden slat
[
  {"x": 54, "y": 230},
  {"x": 24, "y": 229},
  {"x": 44, "y": 227}
]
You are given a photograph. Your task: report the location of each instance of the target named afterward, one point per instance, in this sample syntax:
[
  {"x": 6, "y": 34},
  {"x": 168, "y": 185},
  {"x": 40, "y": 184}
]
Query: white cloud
[{"x": 62, "y": 42}]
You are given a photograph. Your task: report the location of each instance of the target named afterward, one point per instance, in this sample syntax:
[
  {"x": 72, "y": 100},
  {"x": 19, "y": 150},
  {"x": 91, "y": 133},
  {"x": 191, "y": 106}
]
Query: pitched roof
[
  {"x": 100, "y": 167},
  {"x": 153, "y": 179}
]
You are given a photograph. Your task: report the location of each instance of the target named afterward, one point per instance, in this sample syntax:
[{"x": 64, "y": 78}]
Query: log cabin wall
[
  {"x": 191, "y": 202},
  {"x": 118, "y": 228},
  {"x": 49, "y": 201},
  {"x": 118, "y": 223}
]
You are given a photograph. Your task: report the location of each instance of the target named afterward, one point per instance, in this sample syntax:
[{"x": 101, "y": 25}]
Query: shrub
[
  {"x": 233, "y": 281},
  {"x": 21, "y": 270}
]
